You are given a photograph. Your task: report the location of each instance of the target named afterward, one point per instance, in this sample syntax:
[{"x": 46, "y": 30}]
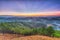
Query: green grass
[{"x": 57, "y": 33}]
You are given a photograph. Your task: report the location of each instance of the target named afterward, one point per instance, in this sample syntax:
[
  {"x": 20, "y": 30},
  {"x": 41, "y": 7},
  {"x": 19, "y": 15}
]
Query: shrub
[
  {"x": 50, "y": 31},
  {"x": 22, "y": 30}
]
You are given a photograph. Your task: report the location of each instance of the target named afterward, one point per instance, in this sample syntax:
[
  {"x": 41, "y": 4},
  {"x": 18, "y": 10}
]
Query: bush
[
  {"x": 27, "y": 32},
  {"x": 22, "y": 30},
  {"x": 42, "y": 31},
  {"x": 50, "y": 31}
]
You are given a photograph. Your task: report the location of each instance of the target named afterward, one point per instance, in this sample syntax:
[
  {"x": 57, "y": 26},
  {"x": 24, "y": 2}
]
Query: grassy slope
[
  {"x": 36, "y": 37},
  {"x": 57, "y": 33},
  {"x": 19, "y": 37}
]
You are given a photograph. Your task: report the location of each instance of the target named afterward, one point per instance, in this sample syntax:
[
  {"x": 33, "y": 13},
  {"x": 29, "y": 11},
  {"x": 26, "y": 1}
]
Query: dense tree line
[{"x": 20, "y": 29}]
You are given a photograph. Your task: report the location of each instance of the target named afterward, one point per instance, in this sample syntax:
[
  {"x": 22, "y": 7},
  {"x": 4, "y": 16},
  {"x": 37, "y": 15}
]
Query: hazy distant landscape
[
  {"x": 30, "y": 28},
  {"x": 33, "y": 21}
]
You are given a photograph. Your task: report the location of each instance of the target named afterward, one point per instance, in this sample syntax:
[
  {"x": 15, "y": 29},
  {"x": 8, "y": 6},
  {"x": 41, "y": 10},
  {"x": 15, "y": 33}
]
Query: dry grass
[{"x": 19, "y": 37}]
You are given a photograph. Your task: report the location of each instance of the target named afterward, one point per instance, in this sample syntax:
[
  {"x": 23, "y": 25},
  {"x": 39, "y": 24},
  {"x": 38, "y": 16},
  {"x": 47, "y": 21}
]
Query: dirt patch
[{"x": 20, "y": 37}]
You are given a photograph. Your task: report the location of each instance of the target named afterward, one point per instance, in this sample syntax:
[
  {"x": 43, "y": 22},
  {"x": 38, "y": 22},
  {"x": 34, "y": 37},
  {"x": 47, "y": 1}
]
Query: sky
[{"x": 30, "y": 7}]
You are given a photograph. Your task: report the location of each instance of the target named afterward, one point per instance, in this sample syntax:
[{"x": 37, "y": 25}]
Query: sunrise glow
[
  {"x": 57, "y": 13},
  {"x": 30, "y": 8}
]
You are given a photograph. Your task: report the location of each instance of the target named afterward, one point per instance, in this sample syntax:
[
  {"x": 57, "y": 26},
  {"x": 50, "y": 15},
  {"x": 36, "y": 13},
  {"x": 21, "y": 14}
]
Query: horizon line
[{"x": 56, "y": 13}]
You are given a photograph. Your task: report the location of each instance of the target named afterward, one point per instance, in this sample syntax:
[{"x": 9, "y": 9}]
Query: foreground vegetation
[
  {"x": 10, "y": 27},
  {"x": 57, "y": 33}
]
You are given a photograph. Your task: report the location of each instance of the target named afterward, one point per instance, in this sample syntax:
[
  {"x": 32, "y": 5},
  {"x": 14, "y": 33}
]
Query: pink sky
[{"x": 56, "y": 13}]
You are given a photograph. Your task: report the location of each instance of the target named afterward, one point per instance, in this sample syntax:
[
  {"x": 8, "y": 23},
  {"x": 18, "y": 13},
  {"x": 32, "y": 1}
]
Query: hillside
[
  {"x": 19, "y": 37},
  {"x": 31, "y": 26}
]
